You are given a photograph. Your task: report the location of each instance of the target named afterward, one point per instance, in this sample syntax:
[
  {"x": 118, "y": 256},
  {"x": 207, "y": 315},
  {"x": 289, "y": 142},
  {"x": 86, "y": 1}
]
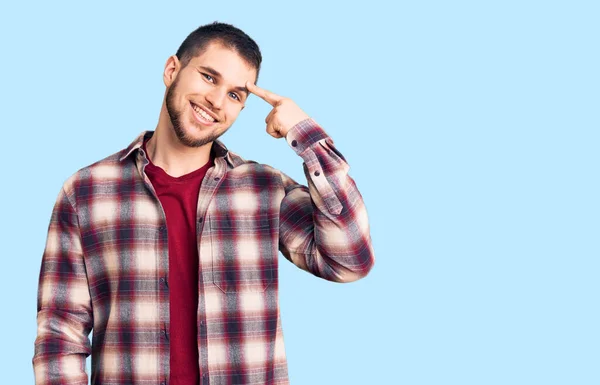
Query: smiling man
[{"x": 168, "y": 249}]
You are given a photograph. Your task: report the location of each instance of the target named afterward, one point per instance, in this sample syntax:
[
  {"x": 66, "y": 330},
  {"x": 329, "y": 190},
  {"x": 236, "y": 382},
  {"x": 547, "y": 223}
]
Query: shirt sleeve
[
  {"x": 64, "y": 309},
  {"x": 324, "y": 227}
]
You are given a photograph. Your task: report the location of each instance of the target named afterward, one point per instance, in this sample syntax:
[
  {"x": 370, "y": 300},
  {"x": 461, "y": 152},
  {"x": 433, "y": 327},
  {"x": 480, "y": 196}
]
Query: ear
[{"x": 172, "y": 67}]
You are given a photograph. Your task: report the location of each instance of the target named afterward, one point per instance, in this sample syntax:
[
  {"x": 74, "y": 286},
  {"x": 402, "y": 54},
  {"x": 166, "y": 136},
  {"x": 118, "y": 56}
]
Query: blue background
[{"x": 471, "y": 129}]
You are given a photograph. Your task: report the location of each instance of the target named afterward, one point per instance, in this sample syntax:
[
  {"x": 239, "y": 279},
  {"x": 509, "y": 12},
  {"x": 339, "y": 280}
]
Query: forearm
[{"x": 324, "y": 226}]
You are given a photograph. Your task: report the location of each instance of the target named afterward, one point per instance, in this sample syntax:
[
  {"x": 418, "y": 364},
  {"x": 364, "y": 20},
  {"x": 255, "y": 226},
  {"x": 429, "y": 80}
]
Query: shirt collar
[{"x": 220, "y": 150}]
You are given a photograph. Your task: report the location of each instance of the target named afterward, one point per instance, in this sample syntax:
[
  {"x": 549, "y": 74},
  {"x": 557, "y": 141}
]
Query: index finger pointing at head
[{"x": 267, "y": 96}]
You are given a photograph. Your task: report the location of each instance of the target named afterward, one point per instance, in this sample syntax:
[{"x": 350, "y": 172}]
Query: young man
[{"x": 168, "y": 249}]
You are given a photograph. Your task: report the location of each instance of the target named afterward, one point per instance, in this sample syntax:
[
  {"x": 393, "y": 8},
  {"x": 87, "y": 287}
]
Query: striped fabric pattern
[{"x": 105, "y": 264}]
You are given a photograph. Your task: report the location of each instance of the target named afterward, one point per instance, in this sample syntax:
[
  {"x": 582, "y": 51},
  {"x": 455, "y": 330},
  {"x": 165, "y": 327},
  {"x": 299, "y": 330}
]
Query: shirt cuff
[{"x": 304, "y": 134}]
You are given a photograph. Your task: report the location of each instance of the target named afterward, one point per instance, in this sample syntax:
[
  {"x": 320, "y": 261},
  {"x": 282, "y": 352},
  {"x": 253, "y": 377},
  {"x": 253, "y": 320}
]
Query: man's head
[{"x": 206, "y": 80}]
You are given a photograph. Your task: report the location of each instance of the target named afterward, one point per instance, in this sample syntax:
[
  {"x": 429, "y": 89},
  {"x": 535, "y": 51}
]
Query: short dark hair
[{"x": 226, "y": 34}]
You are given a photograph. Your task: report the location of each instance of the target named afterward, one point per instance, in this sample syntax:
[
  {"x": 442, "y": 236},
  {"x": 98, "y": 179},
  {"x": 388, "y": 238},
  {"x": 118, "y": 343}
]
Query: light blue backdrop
[{"x": 471, "y": 129}]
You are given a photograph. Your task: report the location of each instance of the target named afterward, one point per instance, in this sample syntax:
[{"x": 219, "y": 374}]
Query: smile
[{"x": 202, "y": 116}]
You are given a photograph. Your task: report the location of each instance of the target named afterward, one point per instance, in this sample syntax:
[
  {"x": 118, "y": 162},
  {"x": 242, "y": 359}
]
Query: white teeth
[{"x": 203, "y": 114}]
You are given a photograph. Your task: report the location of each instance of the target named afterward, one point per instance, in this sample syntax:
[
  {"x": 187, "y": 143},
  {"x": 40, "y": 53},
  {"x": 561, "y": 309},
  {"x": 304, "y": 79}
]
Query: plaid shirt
[{"x": 105, "y": 264}]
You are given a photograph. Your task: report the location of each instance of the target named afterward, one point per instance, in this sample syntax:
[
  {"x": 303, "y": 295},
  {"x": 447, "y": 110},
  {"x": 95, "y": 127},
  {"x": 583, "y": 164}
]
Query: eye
[
  {"x": 208, "y": 77},
  {"x": 233, "y": 95}
]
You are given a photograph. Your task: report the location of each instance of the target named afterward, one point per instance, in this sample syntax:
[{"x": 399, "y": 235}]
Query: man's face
[{"x": 208, "y": 94}]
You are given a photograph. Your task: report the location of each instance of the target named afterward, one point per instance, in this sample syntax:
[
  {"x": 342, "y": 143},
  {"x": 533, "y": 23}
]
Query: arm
[
  {"x": 324, "y": 227},
  {"x": 64, "y": 308}
]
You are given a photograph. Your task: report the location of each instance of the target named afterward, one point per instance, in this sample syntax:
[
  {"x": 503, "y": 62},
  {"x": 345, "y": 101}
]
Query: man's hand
[{"x": 284, "y": 115}]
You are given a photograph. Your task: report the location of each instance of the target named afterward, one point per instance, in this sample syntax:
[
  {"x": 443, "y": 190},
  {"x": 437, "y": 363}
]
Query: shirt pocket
[{"x": 243, "y": 258}]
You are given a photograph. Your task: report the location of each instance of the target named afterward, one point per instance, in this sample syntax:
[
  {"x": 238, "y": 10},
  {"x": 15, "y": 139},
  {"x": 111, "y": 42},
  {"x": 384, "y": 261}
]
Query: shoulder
[
  {"x": 252, "y": 170},
  {"x": 249, "y": 164},
  {"x": 109, "y": 168}
]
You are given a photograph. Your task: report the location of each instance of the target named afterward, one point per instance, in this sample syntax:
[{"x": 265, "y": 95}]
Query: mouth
[{"x": 203, "y": 116}]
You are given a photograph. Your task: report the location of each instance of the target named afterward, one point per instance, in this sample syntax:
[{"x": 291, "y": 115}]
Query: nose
[{"x": 215, "y": 97}]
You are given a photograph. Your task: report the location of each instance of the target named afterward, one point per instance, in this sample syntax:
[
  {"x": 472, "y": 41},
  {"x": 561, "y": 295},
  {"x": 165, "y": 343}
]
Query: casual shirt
[
  {"x": 179, "y": 199},
  {"x": 105, "y": 265}
]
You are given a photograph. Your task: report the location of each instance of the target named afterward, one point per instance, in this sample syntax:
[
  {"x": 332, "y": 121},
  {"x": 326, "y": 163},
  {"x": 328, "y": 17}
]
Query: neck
[{"x": 167, "y": 152}]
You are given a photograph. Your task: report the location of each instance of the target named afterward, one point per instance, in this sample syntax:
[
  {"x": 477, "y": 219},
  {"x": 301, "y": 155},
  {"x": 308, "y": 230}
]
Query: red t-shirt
[{"x": 179, "y": 199}]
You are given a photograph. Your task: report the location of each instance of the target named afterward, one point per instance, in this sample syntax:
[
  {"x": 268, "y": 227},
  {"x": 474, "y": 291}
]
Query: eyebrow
[{"x": 217, "y": 74}]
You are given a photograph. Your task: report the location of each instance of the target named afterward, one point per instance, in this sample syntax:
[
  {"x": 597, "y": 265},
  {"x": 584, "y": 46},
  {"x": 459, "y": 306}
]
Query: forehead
[{"x": 226, "y": 61}]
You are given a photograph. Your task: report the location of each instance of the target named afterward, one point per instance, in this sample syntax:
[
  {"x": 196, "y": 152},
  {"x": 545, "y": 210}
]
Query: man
[{"x": 168, "y": 249}]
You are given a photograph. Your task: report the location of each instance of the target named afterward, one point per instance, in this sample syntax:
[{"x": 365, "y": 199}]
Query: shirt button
[
  {"x": 217, "y": 178},
  {"x": 199, "y": 220},
  {"x": 317, "y": 173},
  {"x": 294, "y": 143},
  {"x": 162, "y": 228}
]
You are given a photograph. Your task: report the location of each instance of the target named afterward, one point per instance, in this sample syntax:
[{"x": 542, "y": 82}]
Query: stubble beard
[{"x": 176, "y": 117}]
